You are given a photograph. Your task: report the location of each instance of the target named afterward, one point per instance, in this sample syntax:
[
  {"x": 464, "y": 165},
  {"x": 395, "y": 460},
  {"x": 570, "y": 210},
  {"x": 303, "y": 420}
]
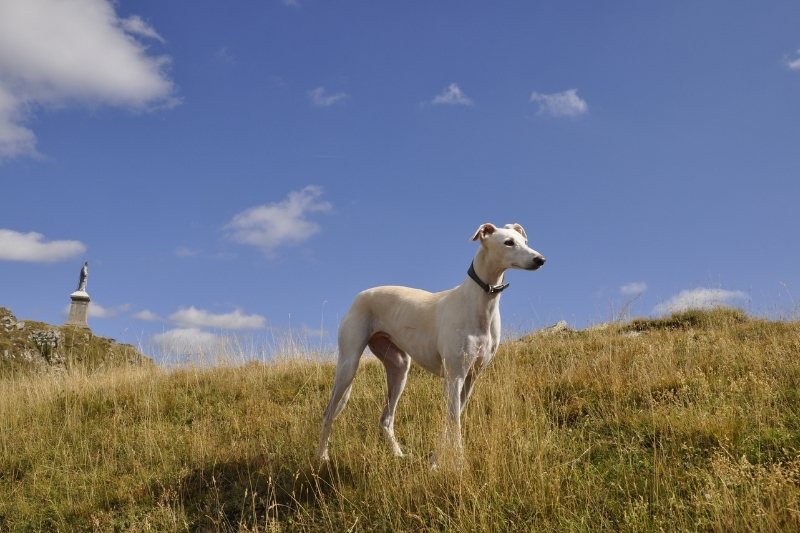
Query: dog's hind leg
[
  {"x": 352, "y": 341},
  {"x": 397, "y": 364}
]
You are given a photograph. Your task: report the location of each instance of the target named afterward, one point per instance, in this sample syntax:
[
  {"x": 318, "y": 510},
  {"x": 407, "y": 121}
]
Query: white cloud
[
  {"x": 146, "y": 314},
  {"x": 32, "y": 247},
  {"x": 794, "y": 64},
  {"x": 15, "y": 139},
  {"x": 308, "y": 331},
  {"x": 286, "y": 222},
  {"x": 185, "y": 251},
  {"x": 700, "y": 298},
  {"x": 320, "y": 98},
  {"x": 452, "y": 95},
  {"x": 136, "y": 26},
  {"x": 194, "y": 317},
  {"x": 633, "y": 288},
  {"x": 188, "y": 341},
  {"x": 223, "y": 55},
  {"x": 98, "y": 311},
  {"x": 56, "y": 53},
  {"x": 564, "y": 104}
]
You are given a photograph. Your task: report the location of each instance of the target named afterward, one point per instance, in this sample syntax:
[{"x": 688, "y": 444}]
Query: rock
[
  {"x": 558, "y": 327},
  {"x": 47, "y": 341},
  {"x": 8, "y": 321}
]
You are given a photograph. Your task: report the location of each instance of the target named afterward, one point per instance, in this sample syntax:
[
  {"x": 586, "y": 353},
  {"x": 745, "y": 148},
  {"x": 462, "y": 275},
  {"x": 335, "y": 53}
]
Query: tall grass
[{"x": 686, "y": 423}]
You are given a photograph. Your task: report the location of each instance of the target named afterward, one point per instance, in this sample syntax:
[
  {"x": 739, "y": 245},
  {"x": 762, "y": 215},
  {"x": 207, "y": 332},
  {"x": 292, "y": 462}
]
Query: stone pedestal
[{"x": 79, "y": 310}]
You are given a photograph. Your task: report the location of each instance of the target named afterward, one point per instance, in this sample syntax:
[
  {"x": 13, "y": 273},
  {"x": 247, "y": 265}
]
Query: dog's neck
[{"x": 487, "y": 270}]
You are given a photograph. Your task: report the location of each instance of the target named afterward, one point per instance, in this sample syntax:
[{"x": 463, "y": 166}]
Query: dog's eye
[{"x": 509, "y": 242}]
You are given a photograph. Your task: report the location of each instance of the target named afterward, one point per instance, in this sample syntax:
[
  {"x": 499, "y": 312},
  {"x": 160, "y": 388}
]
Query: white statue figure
[{"x": 84, "y": 277}]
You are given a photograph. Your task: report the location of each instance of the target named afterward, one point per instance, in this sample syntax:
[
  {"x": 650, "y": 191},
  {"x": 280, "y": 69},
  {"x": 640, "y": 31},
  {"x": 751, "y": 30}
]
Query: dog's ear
[
  {"x": 519, "y": 229},
  {"x": 484, "y": 231}
]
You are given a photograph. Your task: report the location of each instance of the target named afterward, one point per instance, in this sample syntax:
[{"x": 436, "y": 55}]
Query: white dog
[{"x": 453, "y": 334}]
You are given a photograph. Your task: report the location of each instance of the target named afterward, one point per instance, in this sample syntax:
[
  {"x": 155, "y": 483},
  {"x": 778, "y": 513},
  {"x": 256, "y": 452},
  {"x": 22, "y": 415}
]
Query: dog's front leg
[{"x": 451, "y": 442}]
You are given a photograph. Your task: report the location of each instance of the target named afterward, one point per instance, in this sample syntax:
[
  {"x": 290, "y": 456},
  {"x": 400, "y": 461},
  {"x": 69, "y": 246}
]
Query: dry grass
[{"x": 689, "y": 423}]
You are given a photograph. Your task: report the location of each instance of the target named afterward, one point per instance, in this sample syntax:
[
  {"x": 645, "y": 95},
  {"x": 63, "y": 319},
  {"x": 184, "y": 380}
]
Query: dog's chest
[
  {"x": 480, "y": 346},
  {"x": 484, "y": 331}
]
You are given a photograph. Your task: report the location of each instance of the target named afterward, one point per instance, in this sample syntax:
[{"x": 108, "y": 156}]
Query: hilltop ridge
[
  {"x": 31, "y": 346},
  {"x": 686, "y": 422}
]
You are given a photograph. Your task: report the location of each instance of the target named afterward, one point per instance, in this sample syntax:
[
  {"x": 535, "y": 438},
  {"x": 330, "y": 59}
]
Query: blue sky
[{"x": 245, "y": 168}]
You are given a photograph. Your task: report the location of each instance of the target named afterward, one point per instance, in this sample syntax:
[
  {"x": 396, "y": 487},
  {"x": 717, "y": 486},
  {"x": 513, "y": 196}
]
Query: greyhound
[{"x": 453, "y": 334}]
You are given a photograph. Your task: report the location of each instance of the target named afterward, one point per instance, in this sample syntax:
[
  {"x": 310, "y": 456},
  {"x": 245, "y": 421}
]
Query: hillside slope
[
  {"x": 684, "y": 423},
  {"x": 29, "y": 346}
]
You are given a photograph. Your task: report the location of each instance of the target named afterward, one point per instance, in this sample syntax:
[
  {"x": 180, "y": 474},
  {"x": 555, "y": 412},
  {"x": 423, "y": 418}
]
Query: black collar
[{"x": 488, "y": 289}]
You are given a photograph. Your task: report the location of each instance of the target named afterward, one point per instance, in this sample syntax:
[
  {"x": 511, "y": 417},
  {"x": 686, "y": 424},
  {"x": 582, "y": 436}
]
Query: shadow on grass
[{"x": 255, "y": 493}]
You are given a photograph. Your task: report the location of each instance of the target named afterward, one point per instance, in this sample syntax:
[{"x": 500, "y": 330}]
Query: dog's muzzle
[{"x": 537, "y": 262}]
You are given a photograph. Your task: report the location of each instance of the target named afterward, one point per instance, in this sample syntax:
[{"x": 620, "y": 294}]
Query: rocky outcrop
[
  {"x": 559, "y": 327},
  {"x": 47, "y": 342},
  {"x": 8, "y": 322},
  {"x": 39, "y": 347}
]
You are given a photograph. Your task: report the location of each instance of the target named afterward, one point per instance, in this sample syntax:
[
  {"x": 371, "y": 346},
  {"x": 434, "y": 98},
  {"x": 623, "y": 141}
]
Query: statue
[
  {"x": 79, "y": 309},
  {"x": 84, "y": 277}
]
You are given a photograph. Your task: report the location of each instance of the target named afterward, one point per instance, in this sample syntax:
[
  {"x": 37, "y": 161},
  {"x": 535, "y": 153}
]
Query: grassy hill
[
  {"x": 35, "y": 347},
  {"x": 691, "y": 422}
]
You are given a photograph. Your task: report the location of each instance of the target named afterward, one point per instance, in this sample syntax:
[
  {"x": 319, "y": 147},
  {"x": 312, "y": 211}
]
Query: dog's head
[{"x": 509, "y": 246}]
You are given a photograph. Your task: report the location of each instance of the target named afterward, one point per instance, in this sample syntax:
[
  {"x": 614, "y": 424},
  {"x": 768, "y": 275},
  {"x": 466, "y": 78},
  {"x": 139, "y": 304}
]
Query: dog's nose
[{"x": 539, "y": 261}]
